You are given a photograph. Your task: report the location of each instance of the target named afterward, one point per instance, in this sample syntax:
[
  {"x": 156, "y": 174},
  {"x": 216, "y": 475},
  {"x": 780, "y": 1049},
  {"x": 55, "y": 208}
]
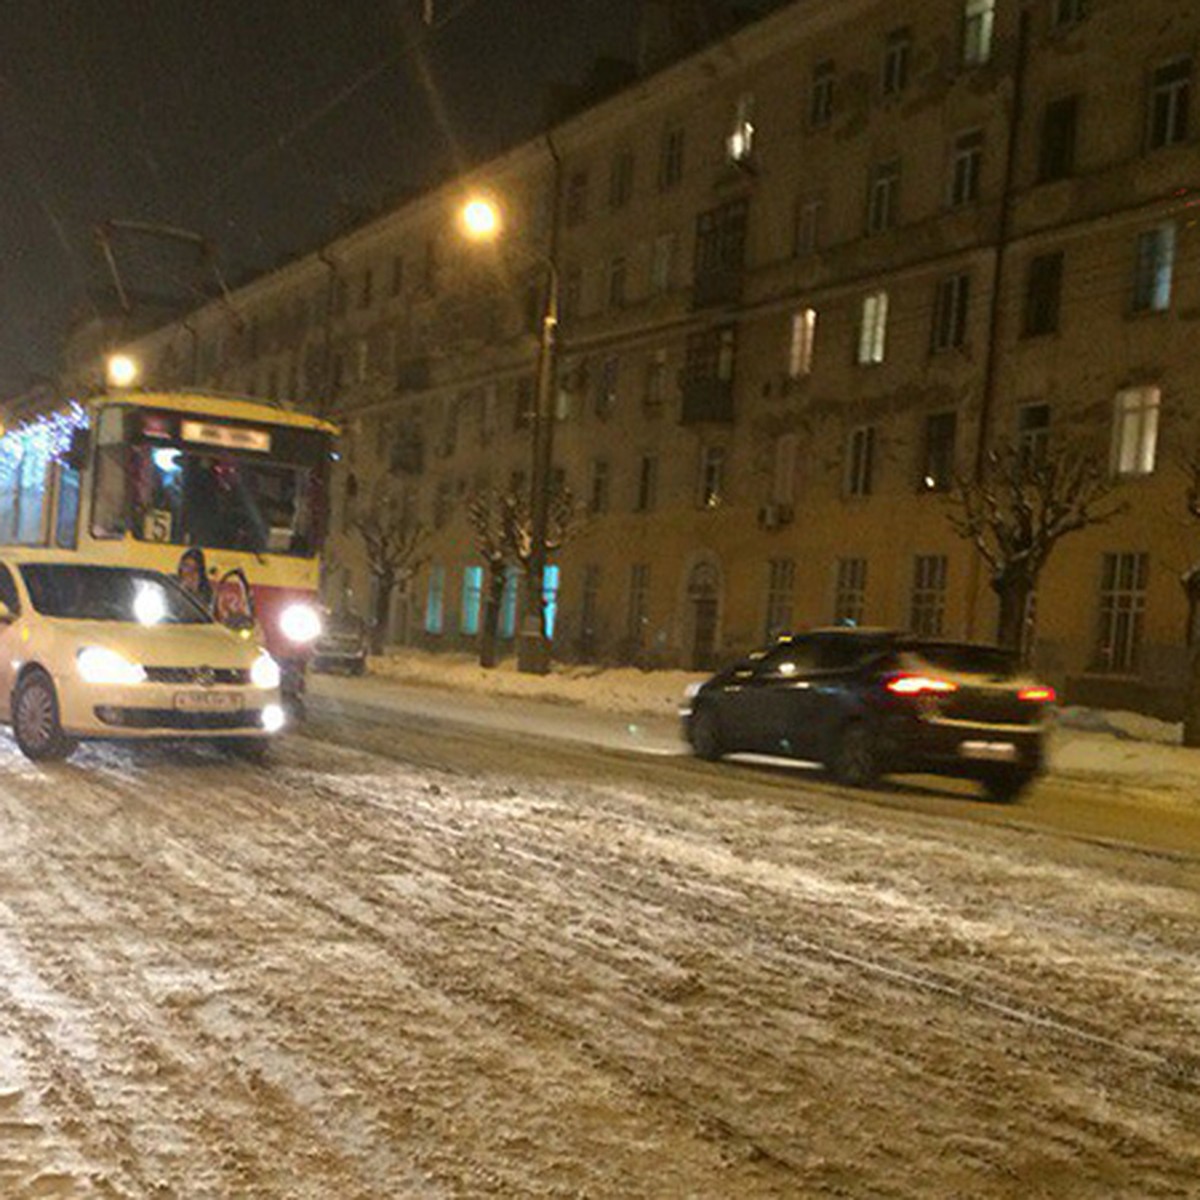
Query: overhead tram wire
[{"x": 412, "y": 44}]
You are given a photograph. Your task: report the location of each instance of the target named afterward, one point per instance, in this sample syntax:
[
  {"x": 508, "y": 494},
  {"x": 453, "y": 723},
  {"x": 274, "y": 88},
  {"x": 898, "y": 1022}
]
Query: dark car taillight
[
  {"x": 1037, "y": 695},
  {"x": 912, "y": 684}
]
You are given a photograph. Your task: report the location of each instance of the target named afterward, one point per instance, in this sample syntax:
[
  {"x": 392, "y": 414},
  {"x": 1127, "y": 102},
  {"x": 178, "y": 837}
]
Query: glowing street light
[
  {"x": 122, "y": 370},
  {"x": 480, "y": 219}
]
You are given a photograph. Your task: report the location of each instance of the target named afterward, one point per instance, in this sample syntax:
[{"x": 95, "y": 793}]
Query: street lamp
[
  {"x": 481, "y": 222},
  {"x": 122, "y": 370}
]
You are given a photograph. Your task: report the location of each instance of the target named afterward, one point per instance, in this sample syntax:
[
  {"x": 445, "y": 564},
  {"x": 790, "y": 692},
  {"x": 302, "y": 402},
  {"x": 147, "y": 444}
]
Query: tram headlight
[
  {"x": 97, "y": 664},
  {"x": 265, "y": 672},
  {"x": 300, "y": 623}
]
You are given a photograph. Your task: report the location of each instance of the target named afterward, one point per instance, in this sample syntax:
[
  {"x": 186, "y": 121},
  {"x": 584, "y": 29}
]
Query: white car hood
[{"x": 163, "y": 645}]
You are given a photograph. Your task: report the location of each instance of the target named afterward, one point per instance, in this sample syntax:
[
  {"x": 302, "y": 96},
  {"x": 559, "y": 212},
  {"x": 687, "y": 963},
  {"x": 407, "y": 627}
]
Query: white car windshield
[{"x": 110, "y": 594}]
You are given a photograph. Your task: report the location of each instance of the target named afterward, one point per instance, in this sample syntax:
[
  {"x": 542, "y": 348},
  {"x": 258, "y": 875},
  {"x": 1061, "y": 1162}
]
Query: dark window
[
  {"x": 1069, "y": 12},
  {"x": 429, "y": 266},
  {"x": 950, "y": 312},
  {"x": 647, "y": 493},
  {"x": 397, "y": 275},
  {"x": 1123, "y": 580},
  {"x": 576, "y": 202},
  {"x": 860, "y": 461},
  {"x": 967, "y": 168},
  {"x": 110, "y": 594},
  {"x": 368, "y": 282},
  {"x": 710, "y": 356},
  {"x": 1033, "y": 434},
  {"x": 1170, "y": 96},
  {"x": 781, "y": 587},
  {"x": 1056, "y": 155},
  {"x": 1043, "y": 290},
  {"x": 620, "y": 179},
  {"x": 850, "y": 591},
  {"x": 820, "y": 105},
  {"x": 883, "y": 196},
  {"x": 670, "y": 163},
  {"x": 616, "y": 282},
  {"x": 598, "y": 489},
  {"x": 721, "y": 239},
  {"x": 895, "y": 61},
  {"x": 937, "y": 457},
  {"x": 928, "y": 609}
]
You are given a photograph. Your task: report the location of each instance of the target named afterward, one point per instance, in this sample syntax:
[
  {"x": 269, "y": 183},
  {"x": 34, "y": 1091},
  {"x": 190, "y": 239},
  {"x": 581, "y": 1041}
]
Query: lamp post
[{"x": 481, "y": 221}]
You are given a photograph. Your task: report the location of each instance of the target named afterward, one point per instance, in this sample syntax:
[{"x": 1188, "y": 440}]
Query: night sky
[{"x": 260, "y": 124}]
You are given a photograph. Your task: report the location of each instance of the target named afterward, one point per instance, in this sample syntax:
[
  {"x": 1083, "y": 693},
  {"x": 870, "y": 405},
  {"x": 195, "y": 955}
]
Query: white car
[{"x": 119, "y": 652}]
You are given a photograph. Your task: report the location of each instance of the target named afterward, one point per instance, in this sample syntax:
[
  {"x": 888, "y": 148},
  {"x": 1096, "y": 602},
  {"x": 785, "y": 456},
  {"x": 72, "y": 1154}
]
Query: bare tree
[
  {"x": 503, "y": 529},
  {"x": 1017, "y": 510},
  {"x": 394, "y": 542}
]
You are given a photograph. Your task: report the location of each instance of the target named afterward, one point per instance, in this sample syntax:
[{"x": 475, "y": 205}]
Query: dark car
[
  {"x": 874, "y": 702},
  {"x": 342, "y": 645}
]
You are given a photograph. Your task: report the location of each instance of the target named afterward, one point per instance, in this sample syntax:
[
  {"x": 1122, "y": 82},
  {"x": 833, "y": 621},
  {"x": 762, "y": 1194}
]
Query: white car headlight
[
  {"x": 99, "y": 665},
  {"x": 300, "y": 623},
  {"x": 265, "y": 672}
]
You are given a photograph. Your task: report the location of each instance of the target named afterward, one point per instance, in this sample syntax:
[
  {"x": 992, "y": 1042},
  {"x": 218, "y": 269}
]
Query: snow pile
[
  {"x": 610, "y": 689},
  {"x": 1130, "y": 726}
]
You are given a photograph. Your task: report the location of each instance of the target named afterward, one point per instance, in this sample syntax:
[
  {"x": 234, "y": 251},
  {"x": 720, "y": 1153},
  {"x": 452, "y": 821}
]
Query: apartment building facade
[{"x": 806, "y": 277}]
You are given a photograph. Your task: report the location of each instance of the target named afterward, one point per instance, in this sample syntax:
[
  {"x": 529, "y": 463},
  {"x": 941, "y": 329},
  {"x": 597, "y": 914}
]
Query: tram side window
[
  {"x": 109, "y": 499},
  {"x": 31, "y": 497},
  {"x": 10, "y": 474},
  {"x": 66, "y": 527}
]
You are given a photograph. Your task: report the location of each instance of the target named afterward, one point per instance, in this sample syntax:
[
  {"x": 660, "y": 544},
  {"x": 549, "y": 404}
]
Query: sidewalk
[{"x": 1114, "y": 750}]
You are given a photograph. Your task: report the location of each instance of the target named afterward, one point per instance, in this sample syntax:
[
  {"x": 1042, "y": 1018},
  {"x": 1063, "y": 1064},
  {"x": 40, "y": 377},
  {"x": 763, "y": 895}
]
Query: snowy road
[{"x": 419, "y": 960}]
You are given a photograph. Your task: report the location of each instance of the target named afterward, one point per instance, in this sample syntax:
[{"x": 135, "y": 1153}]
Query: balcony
[
  {"x": 708, "y": 400},
  {"x": 718, "y": 287}
]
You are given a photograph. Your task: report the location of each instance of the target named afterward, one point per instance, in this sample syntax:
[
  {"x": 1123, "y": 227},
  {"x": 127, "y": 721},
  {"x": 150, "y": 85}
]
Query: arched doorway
[{"x": 703, "y": 598}]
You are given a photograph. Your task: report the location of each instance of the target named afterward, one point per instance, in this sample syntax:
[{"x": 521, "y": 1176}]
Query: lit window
[
  {"x": 1154, "y": 269},
  {"x": 740, "y": 143},
  {"x": 472, "y": 597},
  {"x": 872, "y": 329},
  {"x": 1135, "y": 431},
  {"x": 435, "y": 599},
  {"x": 800, "y": 347},
  {"x": 978, "y": 23}
]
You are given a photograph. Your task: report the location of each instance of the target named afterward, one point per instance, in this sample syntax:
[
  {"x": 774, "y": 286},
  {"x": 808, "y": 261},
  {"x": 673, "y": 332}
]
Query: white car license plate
[
  {"x": 989, "y": 751},
  {"x": 208, "y": 702}
]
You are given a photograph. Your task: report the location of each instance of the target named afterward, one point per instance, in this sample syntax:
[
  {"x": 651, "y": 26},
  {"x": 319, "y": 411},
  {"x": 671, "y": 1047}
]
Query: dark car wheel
[
  {"x": 36, "y": 722},
  {"x": 705, "y": 732},
  {"x": 358, "y": 667},
  {"x": 1006, "y": 788},
  {"x": 855, "y": 760}
]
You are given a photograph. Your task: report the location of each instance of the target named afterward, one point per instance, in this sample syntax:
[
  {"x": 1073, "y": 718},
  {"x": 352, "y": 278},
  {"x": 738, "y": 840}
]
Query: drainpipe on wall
[
  {"x": 987, "y": 401},
  {"x": 324, "y": 398}
]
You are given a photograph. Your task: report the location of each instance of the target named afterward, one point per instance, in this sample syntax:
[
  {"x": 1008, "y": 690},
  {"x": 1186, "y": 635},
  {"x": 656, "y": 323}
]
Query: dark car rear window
[{"x": 989, "y": 661}]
